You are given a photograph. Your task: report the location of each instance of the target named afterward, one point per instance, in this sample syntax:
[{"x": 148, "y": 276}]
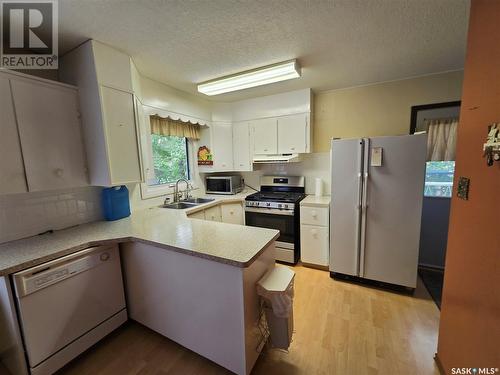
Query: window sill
[{"x": 148, "y": 192}]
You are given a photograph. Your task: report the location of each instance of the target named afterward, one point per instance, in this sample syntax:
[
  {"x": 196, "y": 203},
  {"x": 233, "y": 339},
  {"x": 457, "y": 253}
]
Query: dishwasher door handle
[{"x": 39, "y": 277}]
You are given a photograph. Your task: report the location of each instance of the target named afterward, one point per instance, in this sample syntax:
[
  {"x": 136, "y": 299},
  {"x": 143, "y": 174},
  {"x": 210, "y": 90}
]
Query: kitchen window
[
  {"x": 439, "y": 179},
  {"x": 170, "y": 159},
  {"x": 168, "y": 148}
]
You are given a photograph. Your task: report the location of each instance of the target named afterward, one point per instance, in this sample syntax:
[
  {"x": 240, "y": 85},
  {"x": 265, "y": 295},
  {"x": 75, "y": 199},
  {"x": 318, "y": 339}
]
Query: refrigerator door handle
[
  {"x": 364, "y": 206},
  {"x": 359, "y": 207}
]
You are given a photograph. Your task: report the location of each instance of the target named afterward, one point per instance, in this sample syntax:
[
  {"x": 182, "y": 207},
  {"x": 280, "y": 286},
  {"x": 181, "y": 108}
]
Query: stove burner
[{"x": 276, "y": 197}]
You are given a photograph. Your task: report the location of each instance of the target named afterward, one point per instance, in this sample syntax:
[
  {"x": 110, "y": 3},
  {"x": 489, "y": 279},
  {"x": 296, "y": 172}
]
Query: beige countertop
[
  {"x": 312, "y": 200},
  {"x": 232, "y": 244}
]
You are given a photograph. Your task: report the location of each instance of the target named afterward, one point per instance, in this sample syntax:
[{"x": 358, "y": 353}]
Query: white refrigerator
[{"x": 377, "y": 192}]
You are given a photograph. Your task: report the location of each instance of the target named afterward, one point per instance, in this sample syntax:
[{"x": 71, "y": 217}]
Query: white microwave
[{"x": 223, "y": 184}]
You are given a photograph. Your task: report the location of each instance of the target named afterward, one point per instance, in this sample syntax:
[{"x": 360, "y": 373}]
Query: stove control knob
[
  {"x": 280, "y": 205},
  {"x": 268, "y": 204}
]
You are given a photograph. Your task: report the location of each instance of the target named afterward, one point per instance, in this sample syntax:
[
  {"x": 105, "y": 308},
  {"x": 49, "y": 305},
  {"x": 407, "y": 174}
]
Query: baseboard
[{"x": 316, "y": 266}]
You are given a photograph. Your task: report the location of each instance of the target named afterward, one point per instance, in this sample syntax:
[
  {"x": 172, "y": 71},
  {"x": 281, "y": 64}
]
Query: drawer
[
  {"x": 314, "y": 245},
  {"x": 314, "y": 215}
]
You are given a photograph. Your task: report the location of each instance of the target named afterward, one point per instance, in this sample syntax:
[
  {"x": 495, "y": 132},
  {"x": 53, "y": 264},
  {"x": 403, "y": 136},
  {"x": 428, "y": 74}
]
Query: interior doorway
[{"x": 437, "y": 194}]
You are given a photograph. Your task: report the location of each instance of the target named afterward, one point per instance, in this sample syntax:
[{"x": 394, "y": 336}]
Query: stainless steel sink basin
[
  {"x": 179, "y": 205},
  {"x": 199, "y": 200}
]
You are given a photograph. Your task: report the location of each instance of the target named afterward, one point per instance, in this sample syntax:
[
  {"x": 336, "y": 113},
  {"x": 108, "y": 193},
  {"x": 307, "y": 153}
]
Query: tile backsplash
[
  {"x": 315, "y": 165},
  {"x": 24, "y": 215}
]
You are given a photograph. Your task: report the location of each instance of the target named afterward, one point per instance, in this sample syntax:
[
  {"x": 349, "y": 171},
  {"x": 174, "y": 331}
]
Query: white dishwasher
[{"x": 67, "y": 305}]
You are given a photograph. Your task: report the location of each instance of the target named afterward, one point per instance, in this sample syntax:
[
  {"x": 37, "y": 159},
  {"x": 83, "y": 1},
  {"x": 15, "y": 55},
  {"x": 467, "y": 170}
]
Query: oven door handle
[{"x": 271, "y": 211}]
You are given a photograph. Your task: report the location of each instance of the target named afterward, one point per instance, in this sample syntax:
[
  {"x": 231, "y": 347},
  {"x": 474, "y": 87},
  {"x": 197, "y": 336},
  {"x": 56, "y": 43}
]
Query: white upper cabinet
[
  {"x": 12, "y": 177},
  {"x": 242, "y": 157},
  {"x": 279, "y": 124},
  {"x": 218, "y": 137},
  {"x": 103, "y": 76},
  {"x": 50, "y": 133},
  {"x": 222, "y": 146},
  {"x": 121, "y": 135},
  {"x": 293, "y": 134},
  {"x": 265, "y": 136},
  {"x": 113, "y": 67}
]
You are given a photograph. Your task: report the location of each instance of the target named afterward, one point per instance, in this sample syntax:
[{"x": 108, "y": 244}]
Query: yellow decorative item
[{"x": 205, "y": 156}]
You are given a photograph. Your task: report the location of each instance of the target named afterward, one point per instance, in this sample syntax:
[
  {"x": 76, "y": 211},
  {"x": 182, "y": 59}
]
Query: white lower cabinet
[
  {"x": 213, "y": 214},
  {"x": 198, "y": 215},
  {"x": 233, "y": 213},
  {"x": 314, "y": 235},
  {"x": 314, "y": 245}
]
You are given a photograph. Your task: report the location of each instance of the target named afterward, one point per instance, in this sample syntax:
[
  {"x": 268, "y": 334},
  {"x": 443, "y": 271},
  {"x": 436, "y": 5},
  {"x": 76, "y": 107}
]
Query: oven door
[{"x": 282, "y": 220}]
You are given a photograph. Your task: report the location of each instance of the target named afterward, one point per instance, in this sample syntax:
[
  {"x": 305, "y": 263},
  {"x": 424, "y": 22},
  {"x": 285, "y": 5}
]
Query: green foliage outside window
[
  {"x": 170, "y": 158},
  {"x": 439, "y": 178}
]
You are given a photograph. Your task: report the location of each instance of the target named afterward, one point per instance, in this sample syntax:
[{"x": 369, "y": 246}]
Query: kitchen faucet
[{"x": 177, "y": 195}]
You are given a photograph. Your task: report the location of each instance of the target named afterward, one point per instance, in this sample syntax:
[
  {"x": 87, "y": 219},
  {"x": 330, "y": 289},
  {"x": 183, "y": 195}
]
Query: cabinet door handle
[
  {"x": 314, "y": 214},
  {"x": 59, "y": 172},
  {"x": 314, "y": 232},
  {"x": 292, "y": 148}
]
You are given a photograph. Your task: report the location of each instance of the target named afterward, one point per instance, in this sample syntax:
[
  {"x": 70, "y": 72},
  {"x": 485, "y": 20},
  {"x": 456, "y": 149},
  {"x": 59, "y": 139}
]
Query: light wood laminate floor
[{"x": 340, "y": 328}]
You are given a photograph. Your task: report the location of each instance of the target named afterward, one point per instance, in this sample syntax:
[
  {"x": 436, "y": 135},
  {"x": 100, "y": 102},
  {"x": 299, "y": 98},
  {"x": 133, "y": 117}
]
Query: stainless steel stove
[{"x": 276, "y": 206}]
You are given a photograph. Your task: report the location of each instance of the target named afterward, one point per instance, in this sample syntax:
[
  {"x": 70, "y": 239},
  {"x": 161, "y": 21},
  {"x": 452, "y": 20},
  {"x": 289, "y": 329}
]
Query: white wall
[
  {"x": 28, "y": 214},
  {"x": 316, "y": 165},
  {"x": 159, "y": 95}
]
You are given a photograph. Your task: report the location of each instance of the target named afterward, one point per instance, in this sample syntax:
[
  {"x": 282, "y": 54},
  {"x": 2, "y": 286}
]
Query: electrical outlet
[{"x": 463, "y": 188}]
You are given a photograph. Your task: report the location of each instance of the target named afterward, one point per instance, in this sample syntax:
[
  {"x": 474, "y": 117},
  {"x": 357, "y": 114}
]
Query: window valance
[{"x": 178, "y": 128}]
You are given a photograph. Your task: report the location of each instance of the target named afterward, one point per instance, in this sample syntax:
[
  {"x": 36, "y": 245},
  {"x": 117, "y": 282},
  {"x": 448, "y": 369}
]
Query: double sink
[{"x": 187, "y": 203}]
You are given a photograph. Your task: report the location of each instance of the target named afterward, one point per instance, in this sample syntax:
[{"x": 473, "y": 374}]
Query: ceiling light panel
[{"x": 257, "y": 77}]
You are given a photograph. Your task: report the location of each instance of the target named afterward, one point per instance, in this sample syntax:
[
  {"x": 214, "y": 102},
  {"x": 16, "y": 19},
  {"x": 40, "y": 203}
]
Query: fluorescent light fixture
[{"x": 257, "y": 77}]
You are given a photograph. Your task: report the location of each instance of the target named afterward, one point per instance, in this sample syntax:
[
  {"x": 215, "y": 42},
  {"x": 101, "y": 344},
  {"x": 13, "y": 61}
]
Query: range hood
[{"x": 277, "y": 159}]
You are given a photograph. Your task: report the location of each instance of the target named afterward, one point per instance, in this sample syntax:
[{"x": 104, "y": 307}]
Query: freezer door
[
  {"x": 345, "y": 210},
  {"x": 393, "y": 209}
]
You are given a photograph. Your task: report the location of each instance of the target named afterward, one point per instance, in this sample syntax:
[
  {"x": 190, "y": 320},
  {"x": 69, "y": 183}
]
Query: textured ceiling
[{"x": 339, "y": 43}]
